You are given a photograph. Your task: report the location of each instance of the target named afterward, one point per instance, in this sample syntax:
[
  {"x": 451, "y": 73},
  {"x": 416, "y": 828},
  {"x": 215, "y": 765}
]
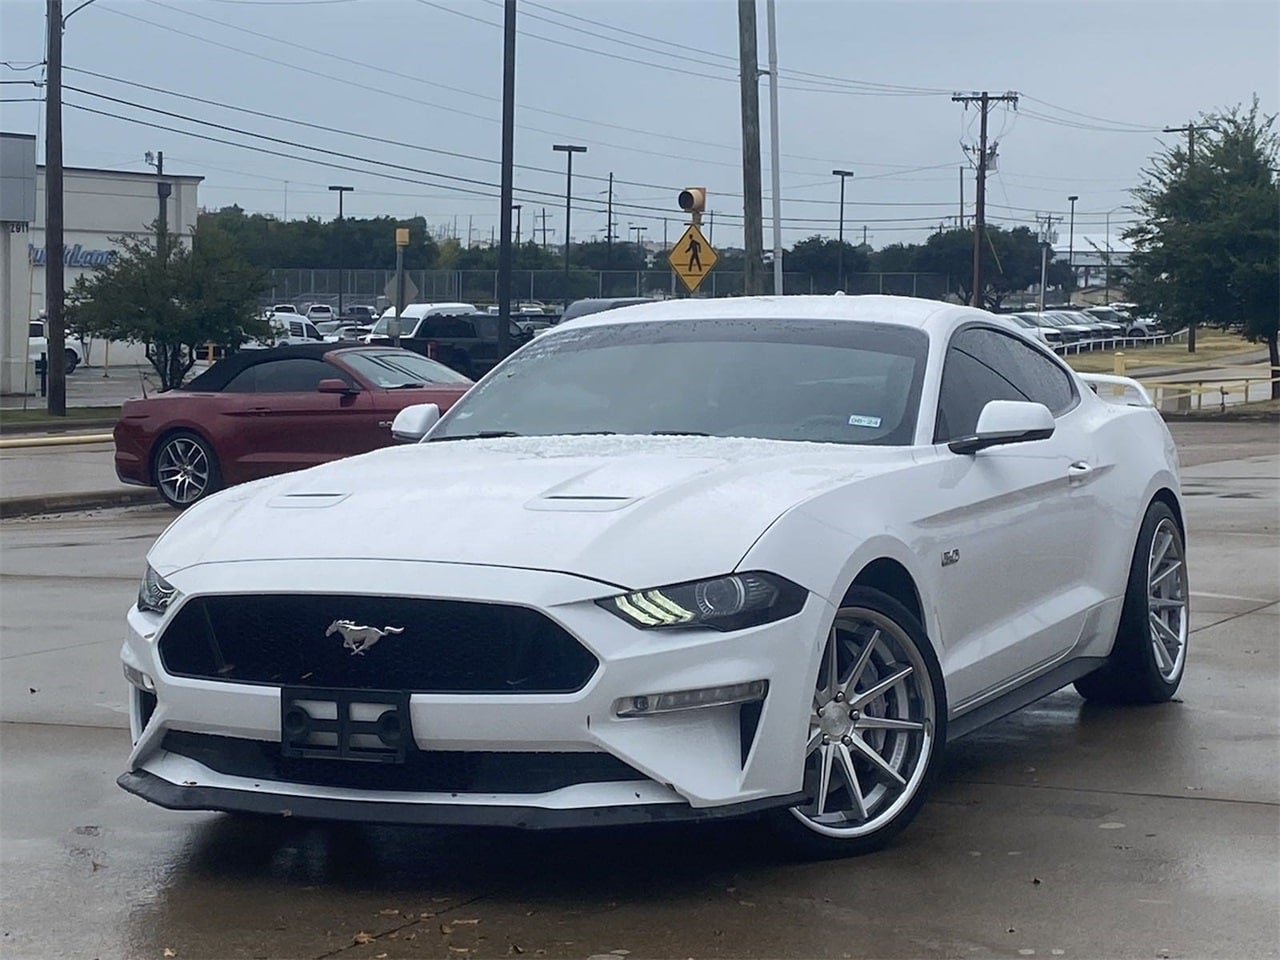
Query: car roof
[
  {"x": 416, "y": 311},
  {"x": 226, "y": 369},
  {"x": 903, "y": 311}
]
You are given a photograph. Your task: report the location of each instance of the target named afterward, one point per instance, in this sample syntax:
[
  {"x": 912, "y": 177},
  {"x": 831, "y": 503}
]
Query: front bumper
[{"x": 690, "y": 764}]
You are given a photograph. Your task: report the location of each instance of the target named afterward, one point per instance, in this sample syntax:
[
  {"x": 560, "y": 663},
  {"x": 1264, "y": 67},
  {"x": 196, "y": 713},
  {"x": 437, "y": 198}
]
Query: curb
[
  {"x": 17, "y": 429},
  {"x": 1170, "y": 416},
  {"x": 70, "y": 502}
]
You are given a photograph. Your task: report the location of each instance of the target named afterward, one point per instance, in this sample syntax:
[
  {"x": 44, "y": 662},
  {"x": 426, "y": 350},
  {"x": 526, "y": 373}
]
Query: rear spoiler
[{"x": 1122, "y": 390}]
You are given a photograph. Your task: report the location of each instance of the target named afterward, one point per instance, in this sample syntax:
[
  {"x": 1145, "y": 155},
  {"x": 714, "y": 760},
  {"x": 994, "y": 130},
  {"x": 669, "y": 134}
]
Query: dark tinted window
[
  {"x": 298, "y": 375},
  {"x": 451, "y": 328},
  {"x": 984, "y": 365}
]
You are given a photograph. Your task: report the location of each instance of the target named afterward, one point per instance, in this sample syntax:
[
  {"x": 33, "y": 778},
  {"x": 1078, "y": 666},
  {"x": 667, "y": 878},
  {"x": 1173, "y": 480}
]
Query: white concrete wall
[{"x": 99, "y": 205}]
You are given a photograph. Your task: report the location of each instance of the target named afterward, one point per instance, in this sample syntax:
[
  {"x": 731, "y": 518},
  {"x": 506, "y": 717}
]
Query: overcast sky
[{"x": 650, "y": 87}]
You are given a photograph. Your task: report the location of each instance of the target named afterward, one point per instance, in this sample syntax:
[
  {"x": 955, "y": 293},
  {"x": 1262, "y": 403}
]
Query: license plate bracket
[{"x": 369, "y": 726}]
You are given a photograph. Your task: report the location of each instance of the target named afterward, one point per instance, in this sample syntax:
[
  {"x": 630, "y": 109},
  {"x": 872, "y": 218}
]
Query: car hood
[{"x": 621, "y": 510}]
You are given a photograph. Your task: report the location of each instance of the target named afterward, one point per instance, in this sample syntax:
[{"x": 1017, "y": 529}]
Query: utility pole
[
  {"x": 544, "y": 228},
  {"x": 608, "y": 226},
  {"x": 508, "y": 151},
  {"x": 960, "y": 222},
  {"x": 1046, "y": 238},
  {"x": 775, "y": 160},
  {"x": 163, "y": 190},
  {"x": 864, "y": 234},
  {"x": 984, "y": 100},
  {"x": 54, "y": 281},
  {"x": 1190, "y": 130},
  {"x": 752, "y": 218}
]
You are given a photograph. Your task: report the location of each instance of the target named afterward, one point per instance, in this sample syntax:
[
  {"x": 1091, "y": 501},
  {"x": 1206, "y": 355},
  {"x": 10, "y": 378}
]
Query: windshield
[
  {"x": 825, "y": 381},
  {"x": 398, "y": 368}
]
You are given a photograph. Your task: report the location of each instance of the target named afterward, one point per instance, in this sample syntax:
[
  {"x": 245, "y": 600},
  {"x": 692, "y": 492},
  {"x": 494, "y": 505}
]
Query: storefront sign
[{"x": 74, "y": 256}]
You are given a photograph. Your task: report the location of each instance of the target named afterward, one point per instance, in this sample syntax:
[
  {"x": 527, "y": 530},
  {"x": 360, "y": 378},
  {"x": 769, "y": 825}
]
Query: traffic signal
[{"x": 693, "y": 200}]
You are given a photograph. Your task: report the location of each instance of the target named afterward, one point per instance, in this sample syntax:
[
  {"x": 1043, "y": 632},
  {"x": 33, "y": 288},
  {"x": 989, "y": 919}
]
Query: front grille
[
  {"x": 422, "y": 771},
  {"x": 445, "y": 646}
]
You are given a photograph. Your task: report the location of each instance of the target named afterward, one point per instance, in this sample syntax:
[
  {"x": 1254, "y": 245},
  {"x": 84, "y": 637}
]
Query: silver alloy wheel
[
  {"x": 871, "y": 729},
  {"x": 182, "y": 470},
  {"x": 1167, "y": 600}
]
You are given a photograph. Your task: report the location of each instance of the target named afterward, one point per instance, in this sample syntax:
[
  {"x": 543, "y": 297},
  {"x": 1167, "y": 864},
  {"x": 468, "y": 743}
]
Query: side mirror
[
  {"x": 337, "y": 385},
  {"x": 413, "y": 423},
  {"x": 1006, "y": 421}
]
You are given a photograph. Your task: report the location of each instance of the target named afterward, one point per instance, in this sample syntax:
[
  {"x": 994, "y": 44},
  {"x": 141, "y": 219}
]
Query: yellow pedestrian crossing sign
[{"x": 692, "y": 258}]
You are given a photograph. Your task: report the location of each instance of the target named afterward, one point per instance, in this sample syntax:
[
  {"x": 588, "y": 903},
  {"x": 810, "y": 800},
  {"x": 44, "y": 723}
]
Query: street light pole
[
  {"x": 842, "y": 174},
  {"x": 339, "y": 190},
  {"x": 569, "y": 150},
  {"x": 1071, "y": 245},
  {"x": 516, "y": 208}
]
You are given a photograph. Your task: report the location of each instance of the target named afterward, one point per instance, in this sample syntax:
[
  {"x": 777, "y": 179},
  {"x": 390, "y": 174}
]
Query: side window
[
  {"x": 296, "y": 375},
  {"x": 452, "y": 328},
  {"x": 243, "y": 382},
  {"x": 1035, "y": 375},
  {"x": 984, "y": 365},
  {"x": 295, "y": 328}
]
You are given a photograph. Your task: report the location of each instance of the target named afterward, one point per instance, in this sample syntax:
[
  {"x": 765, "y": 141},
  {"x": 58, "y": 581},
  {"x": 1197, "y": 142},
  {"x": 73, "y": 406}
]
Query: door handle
[{"x": 1079, "y": 471}]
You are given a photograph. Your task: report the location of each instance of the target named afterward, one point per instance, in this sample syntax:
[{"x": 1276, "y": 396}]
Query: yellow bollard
[{"x": 1119, "y": 363}]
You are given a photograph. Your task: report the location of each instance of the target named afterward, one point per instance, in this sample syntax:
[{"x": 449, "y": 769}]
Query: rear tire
[
  {"x": 1150, "y": 651},
  {"x": 876, "y": 731},
  {"x": 186, "y": 469},
  {"x": 72, "y": 360}
]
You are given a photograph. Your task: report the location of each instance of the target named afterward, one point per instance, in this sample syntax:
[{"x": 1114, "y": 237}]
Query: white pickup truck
[{"x": 38, "y": 345}]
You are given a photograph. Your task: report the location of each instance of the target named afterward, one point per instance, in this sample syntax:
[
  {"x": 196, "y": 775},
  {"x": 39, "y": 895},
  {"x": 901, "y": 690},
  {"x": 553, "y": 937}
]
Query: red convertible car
[{"x": 263, "y": 412}]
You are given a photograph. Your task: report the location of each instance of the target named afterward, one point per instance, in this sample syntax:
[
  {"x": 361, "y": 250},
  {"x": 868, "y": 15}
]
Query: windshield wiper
[
  {"x": 678, "y": 433},
  {"x": 407, "y": 386},
  {"x": 482, "y": 435}
]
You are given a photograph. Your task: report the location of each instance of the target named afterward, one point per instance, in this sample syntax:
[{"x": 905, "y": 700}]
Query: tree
[
  {"x": 176, "y": 301},
  {"x": 820, "y": 257},
  {"x": 1207, "y": 246}
]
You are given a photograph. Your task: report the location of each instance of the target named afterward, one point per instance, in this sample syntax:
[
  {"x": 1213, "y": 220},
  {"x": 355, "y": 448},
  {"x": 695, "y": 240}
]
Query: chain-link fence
[{"x": 554, "y": 287}]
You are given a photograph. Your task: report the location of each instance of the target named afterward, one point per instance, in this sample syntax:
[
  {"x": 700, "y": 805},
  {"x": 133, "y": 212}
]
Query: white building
[{"x": 98, "y": 207}]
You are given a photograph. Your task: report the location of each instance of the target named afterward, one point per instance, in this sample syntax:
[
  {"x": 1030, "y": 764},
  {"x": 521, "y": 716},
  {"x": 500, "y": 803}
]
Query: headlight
[
  {"x": 731, "y": 602},
  {"x": 156, "y": 593}
]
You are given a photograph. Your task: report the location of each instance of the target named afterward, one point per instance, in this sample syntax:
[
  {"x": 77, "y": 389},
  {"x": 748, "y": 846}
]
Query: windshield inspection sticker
[{"x": 859, "y": 421}]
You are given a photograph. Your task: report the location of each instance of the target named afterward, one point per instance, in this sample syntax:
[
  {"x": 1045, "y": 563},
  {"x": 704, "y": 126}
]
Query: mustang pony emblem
[{"x": 357, "y": 638}]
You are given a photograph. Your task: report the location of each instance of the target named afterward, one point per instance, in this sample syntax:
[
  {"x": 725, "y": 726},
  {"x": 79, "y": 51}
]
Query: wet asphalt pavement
[{"x": 1065, "y": 830}]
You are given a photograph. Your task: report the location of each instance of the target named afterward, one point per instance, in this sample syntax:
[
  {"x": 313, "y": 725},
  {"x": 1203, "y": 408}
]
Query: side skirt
[{"x": 1020, "y": 696}]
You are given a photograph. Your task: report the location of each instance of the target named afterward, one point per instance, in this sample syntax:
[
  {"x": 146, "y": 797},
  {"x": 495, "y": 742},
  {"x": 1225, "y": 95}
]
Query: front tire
[
  {"x": 72, "y": 360},
  {"x": 1150, "y": 651},
  {"x": 186, "y": 470},
  {"x": 876, "y": 731}
]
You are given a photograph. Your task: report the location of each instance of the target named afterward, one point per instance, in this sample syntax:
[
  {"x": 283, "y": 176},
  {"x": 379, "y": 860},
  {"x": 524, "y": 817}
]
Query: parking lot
[{"x": 1064, "y": 830}]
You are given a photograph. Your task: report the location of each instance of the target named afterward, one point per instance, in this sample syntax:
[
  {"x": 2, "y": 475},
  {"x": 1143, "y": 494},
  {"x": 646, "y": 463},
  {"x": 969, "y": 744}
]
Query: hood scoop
[
  {"x": 306, "y": 501},
  {"x": 580, "y": 503}
]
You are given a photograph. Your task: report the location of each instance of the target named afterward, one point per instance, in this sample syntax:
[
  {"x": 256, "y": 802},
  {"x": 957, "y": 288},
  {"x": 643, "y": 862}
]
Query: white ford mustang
[{"x": 674, "y": 561}]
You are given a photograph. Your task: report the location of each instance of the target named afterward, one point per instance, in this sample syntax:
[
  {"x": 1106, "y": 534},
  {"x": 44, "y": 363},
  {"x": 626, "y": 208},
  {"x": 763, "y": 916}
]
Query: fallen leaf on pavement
[{"x": 363, "y": 937}]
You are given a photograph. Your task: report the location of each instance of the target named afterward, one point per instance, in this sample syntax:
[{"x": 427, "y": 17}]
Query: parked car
[
  {"x": 286, "y": 329},
  {"x": 283, "y": 308},
  {"x": 687, "y": 560},
  {"x": 38, "y": 346},
  {"x": 1131, "y": 327},
  {"x": 359, "y": 314},
  {"x": 582, "y": 308},
  {"x": 262, "y": 412},
  {"x": 1037, "y": 328},
  {"x": 456, "y": 334},
  {"x": 317, "y": 312}
]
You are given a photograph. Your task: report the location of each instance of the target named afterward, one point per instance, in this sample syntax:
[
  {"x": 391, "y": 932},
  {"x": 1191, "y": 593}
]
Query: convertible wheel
[
  {"x": 1150, "y": 652},
  {"x": 186, "y": 470},
  {"x": 876, "y": 730}
]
